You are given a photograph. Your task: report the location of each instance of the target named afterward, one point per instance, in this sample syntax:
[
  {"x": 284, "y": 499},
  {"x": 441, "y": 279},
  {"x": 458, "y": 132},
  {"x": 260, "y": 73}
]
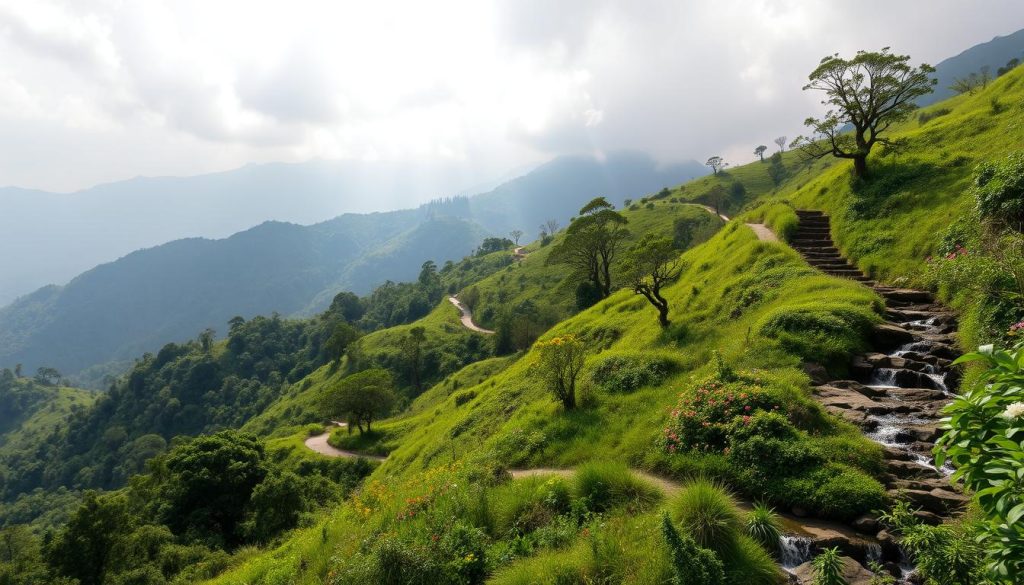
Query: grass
[{"x": 757, "y": 304}]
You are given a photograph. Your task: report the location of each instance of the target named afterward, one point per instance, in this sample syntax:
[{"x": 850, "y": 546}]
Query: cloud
[{"x": 100, "y": 90}]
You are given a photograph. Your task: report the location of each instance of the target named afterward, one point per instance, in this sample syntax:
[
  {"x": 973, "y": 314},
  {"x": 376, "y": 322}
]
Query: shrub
[
  {"x": 999, "y": 191},
  {"x": 522, "y": 506},
  {"x": 464, "y": 397},
  {"x": 948, "y": 553},
  {"x": 782, "y": 218},
  {"x": 925, "y": 117},
  {"x": 691, "y": 564},
  {"x": 559, "y": 364},
  {"x": 628, "y": 373},
  {"x": 842, "y": 492},
  {"x": 763, "y": 526},
  {"x": 822, "y": 333},
  {"x": 828, "y": 568},
  {"x": 709, "y": 514},
  {"x": 704, "y": 416},
  {"x": 606, "y": 485}
]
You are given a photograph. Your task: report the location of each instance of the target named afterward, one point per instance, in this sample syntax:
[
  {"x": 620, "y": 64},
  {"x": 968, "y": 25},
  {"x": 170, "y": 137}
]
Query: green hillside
[
  {"x": 688, "y": 448},
  {"x": 745, "y": 315}
]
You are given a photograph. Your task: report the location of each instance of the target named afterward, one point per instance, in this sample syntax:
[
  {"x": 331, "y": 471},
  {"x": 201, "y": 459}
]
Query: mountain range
[{"x": 137, "y": 303}]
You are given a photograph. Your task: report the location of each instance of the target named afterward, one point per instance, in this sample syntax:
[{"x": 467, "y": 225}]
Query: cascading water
[{"x": 794, "y": 551}]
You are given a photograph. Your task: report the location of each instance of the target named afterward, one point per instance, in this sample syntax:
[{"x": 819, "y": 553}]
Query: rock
[
  {"x": 938, "y": 500},
  {"x": 888, "y": 336},
  {"x": 853, "y": 572},
  {"x": 906, "y": 295},
  {"x": 890, "y": 546},
  {"x": 858, "y": 388},
  {"x": 866, "y": 524},
  {"x": 816, "y": 372}
]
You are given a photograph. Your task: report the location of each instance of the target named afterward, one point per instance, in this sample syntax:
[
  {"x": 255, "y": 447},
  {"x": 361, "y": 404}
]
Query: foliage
[
  {"x": 764, "y": 526},
  {"x": 871, "y": 92},
  {"x": 692, "y": 230},
  {"x": 820, "y": 332},
  {"x": 828, "y": 568},
  {"x": 559, "y": 363},
  {"x": 759, "y": 151},
  {"x": 983, "y": 440},
  {"x": 603, "y": 486},
  {"x": 999, "y": 191},
  {"x": 361, "y": 397},
  {"x": 591, "y": 242},
  {"x": 628, "y": 373},
  {"x": 943, "y": 554},
  {"x": 704, "y": 416},
  {"x": 691, "y": 564},
  {"x": 652, "y": 263},
  {"x": 716, "y": 163}
]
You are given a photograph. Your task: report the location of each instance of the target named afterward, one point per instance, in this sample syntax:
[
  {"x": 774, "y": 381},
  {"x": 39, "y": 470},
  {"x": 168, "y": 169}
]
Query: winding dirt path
[
  {"x": 320, "y": 445},
  {"x": 518, "y": 253},
  {"x": 667, "y": 486},
  {"x": 764, "y": 233},
  {"x": 467, "y": 317},
  {"x": 711, "y": 210}
]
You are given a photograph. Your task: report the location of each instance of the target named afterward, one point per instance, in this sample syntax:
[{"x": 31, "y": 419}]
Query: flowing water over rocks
[{"x": 899, "y": 390}]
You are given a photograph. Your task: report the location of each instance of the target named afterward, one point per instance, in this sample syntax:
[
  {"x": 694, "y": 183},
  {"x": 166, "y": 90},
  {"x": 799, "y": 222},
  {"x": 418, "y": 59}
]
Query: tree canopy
[
  {"x": 361, "y": 398},
  {"x": 870, "y": 92},
  {"x": 591, "y": 243}
]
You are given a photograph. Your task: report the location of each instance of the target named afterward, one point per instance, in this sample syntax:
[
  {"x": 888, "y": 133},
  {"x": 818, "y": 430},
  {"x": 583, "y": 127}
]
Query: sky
[{"x": 93, "y": 91}]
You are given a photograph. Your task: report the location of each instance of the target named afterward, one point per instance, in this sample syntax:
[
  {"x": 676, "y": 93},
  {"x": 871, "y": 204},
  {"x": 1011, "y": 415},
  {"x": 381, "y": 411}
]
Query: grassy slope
[
  {"x": 37, "y": 424},
  {"x": 711, "y": 310},
  {"x": 550, "y": 287}
]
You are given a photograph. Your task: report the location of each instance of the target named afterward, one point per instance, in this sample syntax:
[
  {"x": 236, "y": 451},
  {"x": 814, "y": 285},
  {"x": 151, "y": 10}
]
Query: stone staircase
[
  {"x": 813, "y": 240},
  {"x": 898, "y": 389}
]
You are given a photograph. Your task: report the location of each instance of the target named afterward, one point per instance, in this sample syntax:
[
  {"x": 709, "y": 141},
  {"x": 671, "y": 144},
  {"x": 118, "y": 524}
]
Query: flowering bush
[
  {"x": 984, "y": 440},
  {"x": 702, "y": 418}
]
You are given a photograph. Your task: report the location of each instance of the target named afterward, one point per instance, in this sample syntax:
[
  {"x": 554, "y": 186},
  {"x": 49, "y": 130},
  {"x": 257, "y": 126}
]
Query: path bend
[{"x": 467, "y": 317}]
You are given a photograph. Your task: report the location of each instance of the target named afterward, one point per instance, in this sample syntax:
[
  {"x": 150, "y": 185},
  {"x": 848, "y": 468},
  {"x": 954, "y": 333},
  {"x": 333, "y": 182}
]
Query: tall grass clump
[
  {"x": 690, "y": 563},
  {"x": 712, "y": 517},
  {"x": 763, "y": 526},
  {"x": 603, "y": 485},
  {"x": 828, "y": 568}
]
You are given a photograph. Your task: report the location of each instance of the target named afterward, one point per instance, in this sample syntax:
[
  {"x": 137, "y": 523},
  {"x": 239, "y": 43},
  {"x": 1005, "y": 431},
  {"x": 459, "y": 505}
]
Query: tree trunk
[
  {"x": 663, "y": 315},
  {"x": 860, "y": 165}
]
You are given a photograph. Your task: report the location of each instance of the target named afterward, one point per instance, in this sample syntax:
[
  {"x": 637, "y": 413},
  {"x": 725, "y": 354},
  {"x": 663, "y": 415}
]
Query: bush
[
  {"x": 828, "y": 568},
  {"x": 709, "y": 514},
  {"x": 925, "y": 117},
  {"x": 841, "y": 492},
  {"x": 704, "y": 416},
  {"x": 629, "y": 373},
  {"x": 822, "y": 333},
  {"x": 525, "y": 505},
  {"x": 691, "y": 564},
  {"x": 999, "y": 191},
  {"x": 606, "y": 485},
  {"x": 464, "y": 397}
]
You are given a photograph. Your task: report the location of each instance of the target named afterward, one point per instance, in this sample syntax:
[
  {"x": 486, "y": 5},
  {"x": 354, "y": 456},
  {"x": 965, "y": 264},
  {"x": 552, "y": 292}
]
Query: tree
[
  {"x": 491, "y": 245},
  {"x": 559, "y": 364},
  {"x": 516, "y": 234},
  {"x": 869, "y": 92},
  {"x": 781, "y": 143},
  {"x": 17, "y": 370},
  {"x": 591, "y": 243},
  {"x": 81, "y": 549},
  {"x": 209, "y": 481},
  {"x": 551, "y": 226},
  {"x": 716, "y": 163},
  {"x": 652, "y": 263},
  {"x": 46, "y": 376},
  {"x": 206, "y": 339},
  {"x": 777, "y": 169},
  {"x": 361, "y": 397},
  {"x": 759, "y": 151},
  {"x": 1008, "y": 67},
  {"x": 342, "y": 336},
  {"x": 412, "y": 349}
]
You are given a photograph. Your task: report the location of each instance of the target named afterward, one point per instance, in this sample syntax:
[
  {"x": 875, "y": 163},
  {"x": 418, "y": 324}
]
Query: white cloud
[{"x": 96, "y": 90}]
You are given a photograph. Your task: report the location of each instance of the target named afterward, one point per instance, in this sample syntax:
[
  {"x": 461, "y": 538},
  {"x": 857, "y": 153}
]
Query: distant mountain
[
  {"x": 48, "y": 238},
  {"x": 170, "y": 292},
  {"x": 993, "y": 54}
]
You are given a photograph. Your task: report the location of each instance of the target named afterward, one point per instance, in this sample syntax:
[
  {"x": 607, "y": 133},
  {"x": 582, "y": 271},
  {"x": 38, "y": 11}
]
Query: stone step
[
  {"x": 810, "y": 213},
  {"x": 850, "y": 272}
]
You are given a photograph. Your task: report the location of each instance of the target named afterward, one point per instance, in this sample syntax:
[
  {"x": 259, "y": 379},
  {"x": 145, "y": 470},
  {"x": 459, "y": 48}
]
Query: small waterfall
[
  {"x": 882, "y": 378},
  {"x": 872, "y": 553},
  {"x": 794, "y": 551}
]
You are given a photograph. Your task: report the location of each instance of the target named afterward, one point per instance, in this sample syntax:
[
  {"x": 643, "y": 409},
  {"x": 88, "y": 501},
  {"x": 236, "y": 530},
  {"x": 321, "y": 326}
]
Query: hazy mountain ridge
[{"x": 121, "y": 309}]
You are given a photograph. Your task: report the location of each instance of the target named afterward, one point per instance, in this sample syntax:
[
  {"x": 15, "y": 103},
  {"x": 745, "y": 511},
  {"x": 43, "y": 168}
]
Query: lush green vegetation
[{"x": 580, "y": 426}]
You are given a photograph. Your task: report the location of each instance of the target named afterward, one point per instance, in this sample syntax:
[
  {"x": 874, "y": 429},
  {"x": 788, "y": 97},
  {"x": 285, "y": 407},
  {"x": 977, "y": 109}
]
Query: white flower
[{"x": 1014, "y": 410}]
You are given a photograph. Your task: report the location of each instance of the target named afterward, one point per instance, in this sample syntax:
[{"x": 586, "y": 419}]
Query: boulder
[
  {"x": 816, "y": 372},
  {"x": 858, "y": 388},
  {"x": 866, "y": 524},
  {"x": 889, "y": 336},
  {"x": 938, "y": 500},
  {"x": 853, "y": 572}
]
